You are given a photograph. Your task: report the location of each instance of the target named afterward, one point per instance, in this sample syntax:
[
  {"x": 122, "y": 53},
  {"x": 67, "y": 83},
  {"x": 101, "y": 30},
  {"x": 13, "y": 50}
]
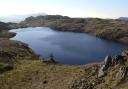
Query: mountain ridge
[
  {"x": 110, "y": 29},
  {"x": 18, "y": 18}
]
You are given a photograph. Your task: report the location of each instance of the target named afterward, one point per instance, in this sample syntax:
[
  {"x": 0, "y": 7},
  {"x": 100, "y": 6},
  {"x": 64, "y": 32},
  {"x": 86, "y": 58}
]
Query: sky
[{"x": 72, "y": 8}]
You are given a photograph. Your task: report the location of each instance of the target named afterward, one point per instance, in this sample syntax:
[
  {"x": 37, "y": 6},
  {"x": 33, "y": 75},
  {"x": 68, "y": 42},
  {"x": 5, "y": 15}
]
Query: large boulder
[
  {"x": 102, "y": 71},
  {"x": 109, "y": 62},
  {"x": 105, "y": 66}
]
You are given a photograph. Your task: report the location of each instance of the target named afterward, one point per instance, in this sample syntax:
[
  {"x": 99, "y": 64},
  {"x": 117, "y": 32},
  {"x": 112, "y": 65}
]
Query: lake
[{"x": 68, "y": 47}]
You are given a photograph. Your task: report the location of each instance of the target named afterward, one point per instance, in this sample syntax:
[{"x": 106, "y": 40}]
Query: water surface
[{"x": 68, "y": 47}]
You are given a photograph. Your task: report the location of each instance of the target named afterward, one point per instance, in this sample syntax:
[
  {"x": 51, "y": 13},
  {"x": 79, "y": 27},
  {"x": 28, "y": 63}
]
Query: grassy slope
[
  {"x": 28, "y": 74},
  {"x": 23, "y": 70},
  {"x": 35, "y": 74}
]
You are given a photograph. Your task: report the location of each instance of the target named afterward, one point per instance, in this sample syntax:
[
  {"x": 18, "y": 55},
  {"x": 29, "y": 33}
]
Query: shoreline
[
  {"x": 110, "y": 29},
  {"x": 20, "y": 68}
]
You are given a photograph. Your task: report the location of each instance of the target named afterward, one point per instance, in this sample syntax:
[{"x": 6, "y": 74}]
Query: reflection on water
[{"x": 68, "y": 47}]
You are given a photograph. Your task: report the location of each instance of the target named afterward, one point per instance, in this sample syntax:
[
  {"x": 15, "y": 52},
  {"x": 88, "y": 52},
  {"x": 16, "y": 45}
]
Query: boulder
[
  {"x": 122, "y": 73},
  {"x": 51, "y": 59},
  {"x": 102, "y": 71},
  {"x": 119, "y": 59},
  {"x": 105, "y": 66},
  {"x": 107, "y": 62}
]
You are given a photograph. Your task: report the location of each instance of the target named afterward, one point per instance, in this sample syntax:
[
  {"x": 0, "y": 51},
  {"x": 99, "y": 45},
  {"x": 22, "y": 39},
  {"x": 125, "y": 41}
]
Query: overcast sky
[{"x": 72, "y": 8}]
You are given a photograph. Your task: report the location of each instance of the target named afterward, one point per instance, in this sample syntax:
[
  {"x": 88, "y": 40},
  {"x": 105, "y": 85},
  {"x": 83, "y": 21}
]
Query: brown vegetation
[{"x": 111, "y": 29}]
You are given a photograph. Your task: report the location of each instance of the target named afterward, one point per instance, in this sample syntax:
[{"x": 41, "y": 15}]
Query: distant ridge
[
  {"x": 19, "y": 18},
  {"x": 123, "y": 18}
]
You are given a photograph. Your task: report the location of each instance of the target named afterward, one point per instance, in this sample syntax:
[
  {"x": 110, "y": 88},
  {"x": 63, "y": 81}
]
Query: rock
[
  {"x": 125, "y": 53},
  {"x": 6, "y": 34},
  {"x": 11, "y": 50},
  {"x": 45, "y": 82},
  {"x": 50, "y": 59},
  {"x": 107, "y": 62},
  {"x": 105, "y": 66},
  {"x": 90, "y": 86},
  {"x": 119, "y": 59},
  {"x": 98, "y": 81},
  {"x": 122, "y": 73},
  {"x": 102, "y": 71}
]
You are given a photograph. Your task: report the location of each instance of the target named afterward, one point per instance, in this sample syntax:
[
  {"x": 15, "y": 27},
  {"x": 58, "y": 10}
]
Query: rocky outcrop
[
  {"x": 11, "y": 50},
  {"x": 119, "y": 59},
  {"x": 6, "y": 34},
  {"x": 102, "y": 71},
  {"x": 109, "y": 62},
  {"x": 110, "y": 74},
  {"x": 111, "y": 29},
  {"x": 122, "y": 73},
  {"x": 51, "y": 59},
  {"x": 90, "y": 80}
]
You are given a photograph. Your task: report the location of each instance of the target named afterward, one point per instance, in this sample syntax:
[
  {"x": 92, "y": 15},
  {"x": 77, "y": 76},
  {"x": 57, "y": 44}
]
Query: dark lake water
[{"x": 68, "y": 47}]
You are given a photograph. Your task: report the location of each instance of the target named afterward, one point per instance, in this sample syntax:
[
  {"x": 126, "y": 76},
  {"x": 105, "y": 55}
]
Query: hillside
[
  {"x": 31, "y": 73},
  {"x": 21, "y": 68},
  {"x": 4, "y": 27},
  {"x": 111, "y": 29}
]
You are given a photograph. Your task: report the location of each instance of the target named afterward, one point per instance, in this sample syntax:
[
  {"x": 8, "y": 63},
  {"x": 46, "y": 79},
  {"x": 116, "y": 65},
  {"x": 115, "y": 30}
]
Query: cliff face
[
  {"x": 110, "y": 74},
  {"x": 105, "y": 28}
]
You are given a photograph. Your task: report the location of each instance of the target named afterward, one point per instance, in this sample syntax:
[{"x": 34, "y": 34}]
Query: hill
[
  {"x": 110, "y": 29},
  {"x": 18, "y": 18},
  {"x": 21, "y": 68},
  {"x": 31, "y": 73}
]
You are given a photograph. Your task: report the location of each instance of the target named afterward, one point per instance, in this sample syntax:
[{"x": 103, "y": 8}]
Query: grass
[
  {"x": 25, "y": 71},
  {"x": 35, "y": 74}
]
